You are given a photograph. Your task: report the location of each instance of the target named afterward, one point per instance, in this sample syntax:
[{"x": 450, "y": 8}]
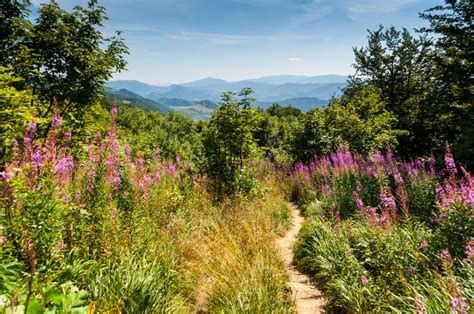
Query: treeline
[{"x": 411, "y": 91}]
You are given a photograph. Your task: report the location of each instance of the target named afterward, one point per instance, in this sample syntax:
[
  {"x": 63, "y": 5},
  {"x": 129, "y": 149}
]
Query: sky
[{"x": 176, "y": 41}]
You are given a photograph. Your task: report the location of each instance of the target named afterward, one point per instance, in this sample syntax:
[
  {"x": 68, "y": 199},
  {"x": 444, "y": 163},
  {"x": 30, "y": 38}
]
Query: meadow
[
  {"x": 109, "y": 231},
  {"x": 111, "y": 202}
]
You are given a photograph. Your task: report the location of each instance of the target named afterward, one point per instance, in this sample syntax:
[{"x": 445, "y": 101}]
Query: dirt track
[{"x": 308, "y": 298}]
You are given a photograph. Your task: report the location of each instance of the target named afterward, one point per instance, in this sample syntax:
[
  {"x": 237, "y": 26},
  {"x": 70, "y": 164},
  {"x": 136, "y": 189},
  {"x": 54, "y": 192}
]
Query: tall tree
[
  {"x": 13, "y": 28},
  {"x": 229, "y": 141},
  {"x": 454, "y": 60},
  {"x": 400, "y": 66},
  {"x": 63, "y": 55}
]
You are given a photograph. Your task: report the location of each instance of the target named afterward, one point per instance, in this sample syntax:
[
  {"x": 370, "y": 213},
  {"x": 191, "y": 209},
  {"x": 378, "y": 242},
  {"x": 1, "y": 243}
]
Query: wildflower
[
  {"x": 449, "y": 162},
  {"x": 469, "y": 248},
  {"x": 441, "y": 216},
  {"x": 178, "y": 159},
  {"x": 389, "y": 207},
  {"x": 431, "y": 161},
  {"x": 5, "y": 176},
  {"x": 377, "y": 158},
  {"x": 3, "y": 239},
  {"x": 387, "y": 200},
  {"x": 411, "y": 270},
  {"x": 59, "y": 246},
  {"x": 326, "y": 190},
  {"x": 364, "y": 281},
  {"x": 459, "y": 305},
  {"x": 398, "y": 178},
  {"x": 117, "y": 182},
  {"x": 127, "y": 149},
  {"x": 148, "y": 179},
  {"x": 445, "y": 255},
  {"x": 186, "y": 166},
  {"x": 170, "y": 169},
  {"x": 114, "y": 112},
  {"x": 157, "y": 175},
  {"x": 68, "y": 136},
  {"x": 63, "y": 165},
  {"x": 56, "y": 121},
  {"x": 37, "y": 158}
]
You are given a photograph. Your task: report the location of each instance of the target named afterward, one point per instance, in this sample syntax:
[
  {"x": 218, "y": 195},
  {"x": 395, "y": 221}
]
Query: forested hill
[
  {"x": 268, "y": 89},
  {"x": 197, "y": 99}
]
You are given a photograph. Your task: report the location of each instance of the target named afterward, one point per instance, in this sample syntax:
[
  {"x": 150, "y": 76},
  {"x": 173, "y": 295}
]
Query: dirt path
[{"x": 308, "y": 298}]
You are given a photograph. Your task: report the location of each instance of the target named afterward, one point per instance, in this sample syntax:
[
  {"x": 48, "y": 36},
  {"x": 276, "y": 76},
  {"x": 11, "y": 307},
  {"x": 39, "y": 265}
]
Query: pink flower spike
[{"x": 364, "y": 281}]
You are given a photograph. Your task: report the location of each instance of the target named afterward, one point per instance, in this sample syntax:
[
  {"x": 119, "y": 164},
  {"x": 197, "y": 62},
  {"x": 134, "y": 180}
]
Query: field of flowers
[
  {"x": 388, "y": 235},
  {"x": 100, "y": 228}
]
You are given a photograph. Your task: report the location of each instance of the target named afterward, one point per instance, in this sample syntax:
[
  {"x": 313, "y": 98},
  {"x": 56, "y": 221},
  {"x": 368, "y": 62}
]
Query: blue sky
[{"x": 174, "y": 41}]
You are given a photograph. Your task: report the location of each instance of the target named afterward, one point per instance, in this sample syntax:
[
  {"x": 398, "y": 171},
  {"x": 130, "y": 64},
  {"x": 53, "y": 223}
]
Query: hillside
[
  {"x": 126, "y": 96},
  {"x": 271, "y": 88},
  {"x": 302, "y": 103}
]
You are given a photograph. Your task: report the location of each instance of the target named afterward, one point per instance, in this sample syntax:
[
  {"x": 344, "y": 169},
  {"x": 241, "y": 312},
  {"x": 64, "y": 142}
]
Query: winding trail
[{"x": 308, "y": 299}]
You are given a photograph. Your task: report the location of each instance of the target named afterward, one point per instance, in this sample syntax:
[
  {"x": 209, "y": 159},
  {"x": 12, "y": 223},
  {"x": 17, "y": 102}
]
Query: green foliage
[
  {"x": 63, "y": 55},
  {"x": 452, "y": 23},
  {"x": 173, "y": 134},
  {"x": 400, "y": 67},
  {"x": 361, "y": 122},
  {"x": 229, "y": 142},
  {"x": 14, "y": 112}
]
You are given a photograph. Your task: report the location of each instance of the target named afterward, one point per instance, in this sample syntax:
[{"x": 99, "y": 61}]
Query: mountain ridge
[{"x": 267, "y": 88}]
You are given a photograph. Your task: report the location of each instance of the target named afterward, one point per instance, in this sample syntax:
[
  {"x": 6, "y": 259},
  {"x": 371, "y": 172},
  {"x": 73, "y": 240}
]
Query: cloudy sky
[{"x": 174, "y": 41}]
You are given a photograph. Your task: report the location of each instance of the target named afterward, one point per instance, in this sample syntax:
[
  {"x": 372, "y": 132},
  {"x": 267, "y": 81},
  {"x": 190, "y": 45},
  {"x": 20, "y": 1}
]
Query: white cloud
[
  {"x": 375, "y": 6},
  {"x": 317, "y": 9},
  {"x": 294, "y": 59}
]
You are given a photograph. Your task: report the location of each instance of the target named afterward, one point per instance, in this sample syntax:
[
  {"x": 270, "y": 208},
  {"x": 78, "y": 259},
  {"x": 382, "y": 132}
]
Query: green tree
[
  {"x": 400, "y": 67},
  {"x": 63, "y": 55},
  {"x": 361, "y": 122},
  {"x": 454, "y": 61},
  {"x": 229, "y": 141},
  {"x": 13, "y": 28}
]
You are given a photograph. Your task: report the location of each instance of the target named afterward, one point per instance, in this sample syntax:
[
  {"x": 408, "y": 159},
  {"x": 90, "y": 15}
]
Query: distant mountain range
[{"x": 200, "y": 97}]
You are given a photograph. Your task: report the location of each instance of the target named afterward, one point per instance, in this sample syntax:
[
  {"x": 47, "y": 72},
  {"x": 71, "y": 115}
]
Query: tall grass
[
  {"x": 104, "y": 229},
  {"x": 388, "y": 235}
]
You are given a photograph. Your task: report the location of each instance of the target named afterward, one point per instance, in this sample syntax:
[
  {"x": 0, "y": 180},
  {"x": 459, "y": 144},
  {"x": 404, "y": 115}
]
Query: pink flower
[
  {"x": 388, "y": 201},
  {"x": 57, "y": 121},
  {"x": 459, "y": 305},
  {"x": 5, "y": 176},
  {"x": 449, "y": 162},
  {"x": 3, "y": 239},
  {"x": 425, "y": 244},
  {"x": 59, "y": 246},
  {"x": 364, "y": 281},
  {"x": 114, "y": 112},
  {"x": 469, "y": 248},
  {"x": 68, "y": 136},
  {"x": 445, "y": 255},
  {"x": 63, "y": 165}
]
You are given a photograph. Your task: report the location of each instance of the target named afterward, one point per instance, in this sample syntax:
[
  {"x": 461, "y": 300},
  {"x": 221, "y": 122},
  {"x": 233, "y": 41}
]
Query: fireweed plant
[
  {"x": 388, "y": 235},
  {"x": 110, "y": 230}
]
